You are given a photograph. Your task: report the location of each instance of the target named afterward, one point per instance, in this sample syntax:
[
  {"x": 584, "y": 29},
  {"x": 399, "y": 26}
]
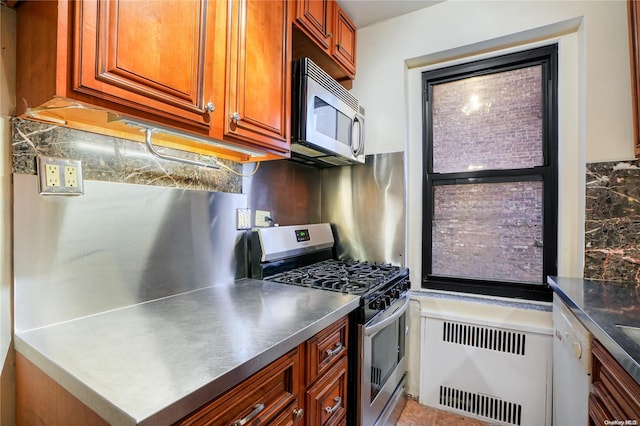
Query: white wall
[
  {"x": 7, "y": 109},
  {"x": 595, "y": 103}
]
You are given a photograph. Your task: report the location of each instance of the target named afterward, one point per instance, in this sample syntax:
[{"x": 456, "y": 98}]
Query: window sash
[{"x": 545, "y": 173}]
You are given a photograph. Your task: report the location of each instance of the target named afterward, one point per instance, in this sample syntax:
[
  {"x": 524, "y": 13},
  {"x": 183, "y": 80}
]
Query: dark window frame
[{"x": 547, "y": 57}]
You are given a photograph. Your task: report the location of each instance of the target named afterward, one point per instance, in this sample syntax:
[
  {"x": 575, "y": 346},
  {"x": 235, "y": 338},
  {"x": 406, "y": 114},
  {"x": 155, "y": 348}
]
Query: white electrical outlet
[
  {"x": 60, "y": 176},
  {"x": 261, "y": 218},
  {"x": 71, "y": 176},
  {"x": 52, "y": 175},
  {"x": 243, "y": 218}
]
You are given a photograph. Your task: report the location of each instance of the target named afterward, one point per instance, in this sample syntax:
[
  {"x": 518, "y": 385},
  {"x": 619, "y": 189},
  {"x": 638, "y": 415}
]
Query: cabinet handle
[
  {"x": 329, "y": 35},
  {"x": 333, "y": 409},
  {"x": 338, "y": 348},
  {"x": 235, "y": 116},
  {"x": 298, "y": 414},
  {"x": 256, "y": 410},
  {"x": 209, "y": 107}
]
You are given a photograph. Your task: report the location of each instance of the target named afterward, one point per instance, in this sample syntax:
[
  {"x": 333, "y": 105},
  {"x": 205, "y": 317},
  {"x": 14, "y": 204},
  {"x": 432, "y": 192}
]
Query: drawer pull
[
  {"x": 338, "y": 347},
  {"x": 256, "y": 410},
  {"x": 333, "y": 409}
]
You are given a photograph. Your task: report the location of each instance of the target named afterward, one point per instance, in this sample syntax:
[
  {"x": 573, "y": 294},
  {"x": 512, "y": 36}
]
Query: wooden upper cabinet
[
  {"x": 162, "y": 66},
  {"x": 314, "y": 16},
  {"x": 259, "y": 87},
  {"x": 344, "y": 40},
  {"x": 185, "y": 66},
  {"x": 328, "y": 37},
  {"x": 633, "y": 8}
]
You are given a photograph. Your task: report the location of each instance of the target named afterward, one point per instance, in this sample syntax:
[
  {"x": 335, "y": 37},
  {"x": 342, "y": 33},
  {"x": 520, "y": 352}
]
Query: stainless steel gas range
[{"x": 303, "y": 255}]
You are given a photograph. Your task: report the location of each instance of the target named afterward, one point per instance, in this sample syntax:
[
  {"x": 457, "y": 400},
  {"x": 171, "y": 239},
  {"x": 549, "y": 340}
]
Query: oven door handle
[{"x": 374, "y": 328}]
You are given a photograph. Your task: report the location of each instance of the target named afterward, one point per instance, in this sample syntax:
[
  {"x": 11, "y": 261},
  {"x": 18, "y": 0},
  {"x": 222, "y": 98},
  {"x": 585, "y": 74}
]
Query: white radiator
[{"x": 492, "y": 371}]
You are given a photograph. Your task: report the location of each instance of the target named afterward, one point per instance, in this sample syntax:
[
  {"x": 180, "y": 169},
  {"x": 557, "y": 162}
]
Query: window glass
[
  {"x": 488, "y": 231},
  {"x": 324, "y": 118},
  {"x": 490, "y": 121}
]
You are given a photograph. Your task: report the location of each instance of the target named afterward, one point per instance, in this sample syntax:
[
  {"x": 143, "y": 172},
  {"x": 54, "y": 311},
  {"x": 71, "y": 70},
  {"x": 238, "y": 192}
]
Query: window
[{"x": 490, "y": 193}]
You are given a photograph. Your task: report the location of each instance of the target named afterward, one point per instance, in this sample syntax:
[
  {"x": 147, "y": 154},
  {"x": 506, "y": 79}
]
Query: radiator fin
[
  {"x": 481, "y": 405},
  {"x": 484, "y": 337}
]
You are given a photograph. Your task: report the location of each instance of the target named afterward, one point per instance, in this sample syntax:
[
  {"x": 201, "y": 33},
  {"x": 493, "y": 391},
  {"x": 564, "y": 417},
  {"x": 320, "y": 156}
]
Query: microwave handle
[{"x": 359, "y": 120}]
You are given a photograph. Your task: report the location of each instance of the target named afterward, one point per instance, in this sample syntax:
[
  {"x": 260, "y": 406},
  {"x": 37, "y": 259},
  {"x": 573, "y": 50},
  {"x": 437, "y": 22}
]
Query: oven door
[{"x": 384, "y": 363}]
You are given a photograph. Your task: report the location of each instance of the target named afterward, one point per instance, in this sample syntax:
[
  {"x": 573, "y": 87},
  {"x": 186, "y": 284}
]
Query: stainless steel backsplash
[
  {"x": 366, "y": 206},
  {"x": 116, "y": 245},
  {"x": 289, "y": 190},
  {"x": 120, "y": 244}
]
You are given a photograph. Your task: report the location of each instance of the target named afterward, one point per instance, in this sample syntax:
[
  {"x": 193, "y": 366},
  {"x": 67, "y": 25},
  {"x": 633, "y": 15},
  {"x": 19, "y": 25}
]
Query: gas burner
[{"x": 346, "y": 276}]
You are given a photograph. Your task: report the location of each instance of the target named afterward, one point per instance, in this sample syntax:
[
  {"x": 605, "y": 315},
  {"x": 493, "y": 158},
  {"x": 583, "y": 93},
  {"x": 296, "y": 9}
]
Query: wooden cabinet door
[
  {"x": 259, "y": 78},
  {"x": 614, "y": 393},
  {"x": 314, "y": 16},
  {"x": 326, "y": 34},
  {"x": 154, "y": 56},
  {"x": 327, "y": 398},
  {"x": 344, "y": 41}
]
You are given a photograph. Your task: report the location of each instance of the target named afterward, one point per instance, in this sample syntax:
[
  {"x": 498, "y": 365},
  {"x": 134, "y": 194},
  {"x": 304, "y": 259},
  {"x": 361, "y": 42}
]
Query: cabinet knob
[
  {"x": 298, "y": 414},
  {"x": 235, "y": 116},
  {"x": 209, "y": 107}
]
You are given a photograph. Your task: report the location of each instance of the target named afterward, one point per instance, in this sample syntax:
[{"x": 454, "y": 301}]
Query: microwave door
[{"x": 329, "y": 125}]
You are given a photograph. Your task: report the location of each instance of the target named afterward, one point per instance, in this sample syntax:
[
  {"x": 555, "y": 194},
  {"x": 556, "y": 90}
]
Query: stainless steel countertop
[
  {"x": 155, "y": 362},
  {"x": 600, "y": 306}
]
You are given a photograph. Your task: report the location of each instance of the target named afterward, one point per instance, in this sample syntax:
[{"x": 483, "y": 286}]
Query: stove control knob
[{"x": 381, "y": 304}]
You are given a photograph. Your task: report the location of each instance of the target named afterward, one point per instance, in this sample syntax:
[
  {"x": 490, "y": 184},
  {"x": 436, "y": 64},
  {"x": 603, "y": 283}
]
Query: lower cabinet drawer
[
  {"x": 326, "y": 400},
  {"x": 268, "y": 397},
  {"x": 325, "y": 348}
]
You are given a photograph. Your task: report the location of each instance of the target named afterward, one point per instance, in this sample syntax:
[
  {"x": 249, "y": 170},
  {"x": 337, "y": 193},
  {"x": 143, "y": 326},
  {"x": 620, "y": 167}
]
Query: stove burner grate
[{"x": 346, "y": 276}]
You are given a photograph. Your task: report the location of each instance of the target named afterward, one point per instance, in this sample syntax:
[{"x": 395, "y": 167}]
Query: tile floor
[{"x": 415, "y": 414}]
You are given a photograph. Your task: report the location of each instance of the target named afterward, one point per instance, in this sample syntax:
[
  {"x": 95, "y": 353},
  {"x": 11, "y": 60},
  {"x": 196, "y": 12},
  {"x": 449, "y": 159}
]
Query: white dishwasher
[{"x": 571, "y": 367}]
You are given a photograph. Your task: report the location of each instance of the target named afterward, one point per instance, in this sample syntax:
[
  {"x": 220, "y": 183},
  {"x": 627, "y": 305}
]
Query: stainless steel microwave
[{"x": 327, "y": 120}]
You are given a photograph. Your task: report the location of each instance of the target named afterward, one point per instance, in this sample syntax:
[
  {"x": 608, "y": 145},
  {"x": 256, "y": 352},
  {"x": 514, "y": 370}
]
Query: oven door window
[
  {"x": 331, "y": 122},
  {"x": 387, "y": 350}
]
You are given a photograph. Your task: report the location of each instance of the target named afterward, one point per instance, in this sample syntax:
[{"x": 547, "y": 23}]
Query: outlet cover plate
[
  {"x": 60, "y": 176},
  {"x": 261, "y": 221},
  {"x": 243, "y": 218}
]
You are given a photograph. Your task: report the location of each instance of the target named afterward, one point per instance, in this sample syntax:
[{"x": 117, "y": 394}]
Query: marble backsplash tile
[
  {"x": 106, "y": 158},
  {"x": 612, "y": 222}
]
